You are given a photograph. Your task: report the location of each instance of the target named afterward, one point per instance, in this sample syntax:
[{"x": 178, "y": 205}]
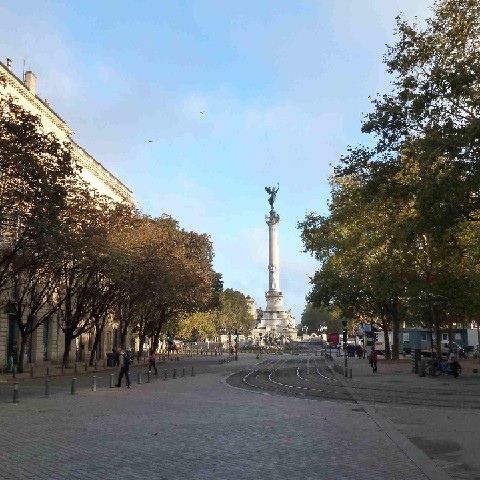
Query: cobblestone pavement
[
  {"x": 448, "y": 435},
  {"x": 200, "y": 428}
]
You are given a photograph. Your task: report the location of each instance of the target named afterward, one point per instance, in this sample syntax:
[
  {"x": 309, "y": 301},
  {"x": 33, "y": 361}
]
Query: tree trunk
[
  {"x": 395, "y": 330},
  {"x": 438, "y": 335},
  {"x": 141, "y": 341},
  {"x": 96, "y": 342},
  {"x": 123, "y": 335},
  {"x": 385, "y": 325},
  {"x": 68, "y": 344},
  {"x": 156, "y": 341},
  {"x": 21, "y": 356},
  {"x": 450, "y": 336}
]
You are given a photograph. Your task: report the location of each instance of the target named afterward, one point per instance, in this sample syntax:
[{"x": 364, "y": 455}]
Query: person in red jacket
[
  {"x": 373, "y": 359},
  {"x": 152, "y": 359}
]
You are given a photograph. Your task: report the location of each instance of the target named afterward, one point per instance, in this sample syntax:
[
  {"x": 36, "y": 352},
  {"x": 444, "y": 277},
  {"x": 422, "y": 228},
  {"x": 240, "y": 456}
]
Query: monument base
[{"x": 278, "y": 327}]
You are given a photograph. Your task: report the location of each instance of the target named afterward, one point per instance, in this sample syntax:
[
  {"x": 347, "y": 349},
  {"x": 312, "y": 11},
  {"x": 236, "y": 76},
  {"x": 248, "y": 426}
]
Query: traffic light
[
  {"x": 235, "y": 335},
  {"x": 169, "y": 337},
  {"x": 375, "y": 336}
]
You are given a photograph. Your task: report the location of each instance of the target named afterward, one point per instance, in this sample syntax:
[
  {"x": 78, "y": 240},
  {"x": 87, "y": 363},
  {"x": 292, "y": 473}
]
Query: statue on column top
[{"x": 273, "y": 193}]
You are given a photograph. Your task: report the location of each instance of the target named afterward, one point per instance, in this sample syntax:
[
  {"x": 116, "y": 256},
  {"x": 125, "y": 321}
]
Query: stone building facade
[{"x": 46, "y": 343}]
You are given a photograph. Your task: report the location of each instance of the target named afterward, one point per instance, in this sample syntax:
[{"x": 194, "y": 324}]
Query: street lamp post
[{"x": 236, "y": 343}]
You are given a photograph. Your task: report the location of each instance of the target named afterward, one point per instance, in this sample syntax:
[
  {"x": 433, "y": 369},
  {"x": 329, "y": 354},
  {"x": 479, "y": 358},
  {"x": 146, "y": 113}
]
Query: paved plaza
[{"x": 200, "y": 427}]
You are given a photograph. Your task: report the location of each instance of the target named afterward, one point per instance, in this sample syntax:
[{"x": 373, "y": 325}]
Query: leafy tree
[
  {"x": 316, "y": 317},
  {"x": 81, "y": 263},
  {"x": 35, "y": 173},
  {"x": 233, "y": 312},
  {"x": 395, "y": 239}
]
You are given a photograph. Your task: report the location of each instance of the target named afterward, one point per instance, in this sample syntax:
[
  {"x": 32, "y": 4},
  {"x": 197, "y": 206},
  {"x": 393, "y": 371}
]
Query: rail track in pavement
[{"x": 317, "y": 381}]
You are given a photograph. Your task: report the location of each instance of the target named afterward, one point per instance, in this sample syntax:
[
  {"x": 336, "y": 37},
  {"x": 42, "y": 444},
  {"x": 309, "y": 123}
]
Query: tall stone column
[
  {"x": 274, "y": 295},
  {"x": 273, "y": 221}
]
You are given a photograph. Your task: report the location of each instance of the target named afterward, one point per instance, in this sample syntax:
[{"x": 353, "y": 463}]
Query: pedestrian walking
[
  {"x": 453, "y": 361},
  {"x": 152, "y": 359},
  {"x": 373, "y": 359},
  {"x": 124, "y": 361}
]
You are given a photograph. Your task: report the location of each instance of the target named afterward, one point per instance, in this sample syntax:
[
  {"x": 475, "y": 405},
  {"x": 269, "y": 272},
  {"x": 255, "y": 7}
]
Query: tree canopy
[{"x": 400, "y": 238}]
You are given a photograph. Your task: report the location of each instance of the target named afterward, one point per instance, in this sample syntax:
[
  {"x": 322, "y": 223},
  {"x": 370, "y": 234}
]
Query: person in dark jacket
[
  {"x": 124, "y": 362},
  {"x": 373, "y": 359}
]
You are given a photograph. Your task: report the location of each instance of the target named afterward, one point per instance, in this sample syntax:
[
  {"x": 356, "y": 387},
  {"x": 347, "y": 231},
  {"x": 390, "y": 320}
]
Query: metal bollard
[
  {"x": 73, "y": 388},
  {"x": 139, "y": 378},
  {"x": 192, "y": 373},
  {"x": 14, "y": 371},
  {"x": 95, "y": 366},
  {"x": 76, "y": 368},
  {"x": 345, "y": 371},
  {"x": 31, "y": 371},
  {"x": 62, "y": 368},
  {"x": 183, "y": 372},
  {"x": 15, "y": 392},
  {"x": 350, "y": 373},
  {"x": 111, "y": 381},
  {"x": 47, "y": 388},
  {"x": 174, "y": 373},
  {"x": 86, "y": 366},
  {"x": 148, "y": 377},
  {"x": 166, "y": 375},
  {"x": 48, "y": 371},
  {"x": 94, "y": 383}
]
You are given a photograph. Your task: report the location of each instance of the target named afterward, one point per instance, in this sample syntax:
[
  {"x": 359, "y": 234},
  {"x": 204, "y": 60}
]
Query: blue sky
[{"x": 283, "y": 85}]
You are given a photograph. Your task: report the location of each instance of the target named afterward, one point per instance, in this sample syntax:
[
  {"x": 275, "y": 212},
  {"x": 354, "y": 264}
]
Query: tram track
[{"x": 317, "y": 381}]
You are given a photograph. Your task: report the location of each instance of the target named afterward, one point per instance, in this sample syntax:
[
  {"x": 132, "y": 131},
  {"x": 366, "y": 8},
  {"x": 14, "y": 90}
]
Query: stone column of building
[{"x": 36, "y": 355}]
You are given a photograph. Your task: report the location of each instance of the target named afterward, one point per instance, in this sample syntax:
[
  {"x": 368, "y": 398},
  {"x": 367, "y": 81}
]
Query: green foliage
[
  {"x": 400, "y": 239},
  {"x": 316, "y": 317}
]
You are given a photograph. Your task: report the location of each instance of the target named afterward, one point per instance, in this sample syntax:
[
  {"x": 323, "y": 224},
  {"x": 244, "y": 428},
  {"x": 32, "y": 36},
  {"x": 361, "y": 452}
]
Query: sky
[{"x": 198, "y": 105}]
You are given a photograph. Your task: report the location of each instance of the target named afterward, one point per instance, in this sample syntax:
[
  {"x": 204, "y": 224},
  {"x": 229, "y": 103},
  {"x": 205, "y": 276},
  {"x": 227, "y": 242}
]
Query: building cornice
[
  {"x": 44, "y": 109},
  {"x": 85, "y": 160}
]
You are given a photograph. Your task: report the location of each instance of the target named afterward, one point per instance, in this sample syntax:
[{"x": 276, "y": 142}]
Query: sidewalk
[
  {"x": 447, "y": 434},
  {"x": 55, "y": 370}
]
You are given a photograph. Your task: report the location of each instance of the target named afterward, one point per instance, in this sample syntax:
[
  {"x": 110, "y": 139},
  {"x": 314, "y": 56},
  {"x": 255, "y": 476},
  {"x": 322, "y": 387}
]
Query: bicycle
[{"x": 437, "y": 367}]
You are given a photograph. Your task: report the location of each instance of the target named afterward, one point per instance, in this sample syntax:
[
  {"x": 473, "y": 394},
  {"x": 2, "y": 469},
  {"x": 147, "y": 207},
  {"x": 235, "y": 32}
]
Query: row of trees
[
  {"x": 67, "y": 252},
  {"x": 401, "y": 240}
]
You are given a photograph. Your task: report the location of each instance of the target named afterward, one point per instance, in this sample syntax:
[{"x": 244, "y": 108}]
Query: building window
[{"x": 406, "y": 338}]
